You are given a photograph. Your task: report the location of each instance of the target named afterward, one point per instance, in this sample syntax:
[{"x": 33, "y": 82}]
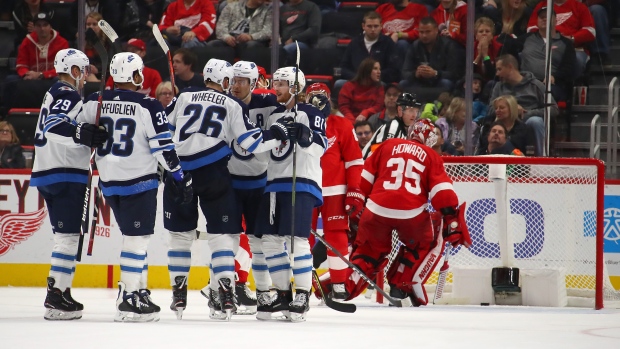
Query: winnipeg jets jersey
[
  {"x": 138, "y": 137},
  {"x": 204, "y": 122},
  {"x": 308, "y": 170},
  {"x": 249, "y": 171},
  {"x": 58, "y": 158}
]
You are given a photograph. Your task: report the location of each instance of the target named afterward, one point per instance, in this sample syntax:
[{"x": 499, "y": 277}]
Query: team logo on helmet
[
  {"x": 18, "y": 227},
  {"x": 423, "y": 131}
]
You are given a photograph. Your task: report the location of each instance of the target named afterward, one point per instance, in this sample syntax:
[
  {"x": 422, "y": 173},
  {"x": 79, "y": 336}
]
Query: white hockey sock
[
  {"x": 222, "y": 257},
  {"x": 278, "y": 261},
  {"x": 144, "y": 277},
  {"x": 259, "y": 264},
  {"x": 133, "y": 257},
  {"x": 180, "y": 254},
  {"x": 63, "y": 259},
  {"x": 302, "y": 268}
]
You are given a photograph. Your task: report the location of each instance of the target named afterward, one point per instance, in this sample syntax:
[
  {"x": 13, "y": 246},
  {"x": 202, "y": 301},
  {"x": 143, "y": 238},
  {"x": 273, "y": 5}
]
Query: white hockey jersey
[
  {"x": 249, "y": 171},
  {"x": 308, "y": 171},
  {"x": 58, "y": 158},
  {"x": 139, "y": 137},
  {"x": 204, "y": 122}
]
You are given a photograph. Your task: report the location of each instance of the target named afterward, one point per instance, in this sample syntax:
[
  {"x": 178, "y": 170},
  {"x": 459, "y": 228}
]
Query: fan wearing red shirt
[
  {"x": 399, "y": 179},
  {"x": 188, "y": 23},
  {"x": 152, "y": 79},
  {"x": 451, "y": 17},
  {"x": 400, "y": 21}
]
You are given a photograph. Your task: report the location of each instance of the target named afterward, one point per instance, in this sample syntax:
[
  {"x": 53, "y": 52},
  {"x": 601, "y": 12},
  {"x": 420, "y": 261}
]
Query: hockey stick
[
  {"x": 294, "y": 191},
  {"x": 337, "y": 306},
  {"x": 443, "y": 272},
  {"x": 93, "y": 222},
  {"x": 111, "y": 34},
  {"x": 396, "y": 302},
  {"x": 164, "y": 46},
  {"x": 103, "y": 54}
]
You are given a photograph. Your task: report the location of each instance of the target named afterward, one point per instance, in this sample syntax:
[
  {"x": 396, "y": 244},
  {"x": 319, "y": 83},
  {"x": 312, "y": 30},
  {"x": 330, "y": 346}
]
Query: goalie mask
[
  {"x": 67, "y": 58},
  {"x": 423, "y": 132},
  {"x": 216, "y": 71},
  {"x": 124, "y": 65}
]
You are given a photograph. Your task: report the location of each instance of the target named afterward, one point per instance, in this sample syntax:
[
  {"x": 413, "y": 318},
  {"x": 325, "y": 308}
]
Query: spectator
[
  {"x": 151, "y": 78},
  {"x": 362, "y": 96},
  {"x": 364, "y": 132},
  {"x": 109, "y": 9},
  {"x": 510, "y": 18},
  {"x": 300, "y": 20},
  {"x": 11, "y": 153},
  {"x": 243, "y": 25},
  {"x": 149, "y": 13},
  {"x": 165, "y": 94},
  {"x": 506, "y": 111},
  {"x": 24, "y": 13},
  {"x": 453, "y": 126},
  {"x": 326, "y": 6},
  {"x": 530, "y": 96},
  {"x": 372, "y": 43},
  {"x": 183, "y": 63},
  {"x": 577, "y": 25},
  {"x": 600, "y": 48},
  {"x": 498, "y": 143},
  {"x": 563, "y": 57},
  {"x": 437, "y": 109},
  {"x": 389, "y": 111},
  {"x": 480, "y": 105},
  {"x": 451, "y": 17},
  {"x": 400, "y": 22},
  {"x": 92, "y": 21},
  {"x": 432, "y": 61},
  {"x": 486, "y": 48},
  {"x": 188, "y": 23},
  {"x": 442, "y": 147}
]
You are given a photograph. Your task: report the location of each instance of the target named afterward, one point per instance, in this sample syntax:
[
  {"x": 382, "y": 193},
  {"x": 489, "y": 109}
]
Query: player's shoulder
[
  {"x": 279, "y": 110},
  {"x": 60, "y": 90},
  {"x": 339, "y": 121},
  {"x": 260, "y": 100},
  {"x": 310, "y": 110},
  {"x": 232, "y": 99}
]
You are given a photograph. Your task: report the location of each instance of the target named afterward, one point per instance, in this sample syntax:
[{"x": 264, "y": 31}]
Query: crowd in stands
[{"x": 416, "y": 47}]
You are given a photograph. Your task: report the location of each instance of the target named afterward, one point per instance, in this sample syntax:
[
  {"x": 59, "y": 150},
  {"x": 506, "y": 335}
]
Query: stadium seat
[
  {"x": 362, "y": 7},
  {"x": 320, "y": 61},
  {"x": 25, "y": 123},
  {"x": 348, "y": 23}
]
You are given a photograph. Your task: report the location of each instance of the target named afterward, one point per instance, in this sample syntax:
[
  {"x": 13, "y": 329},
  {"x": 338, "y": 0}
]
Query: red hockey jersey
[
  {"x": 573, "y": 18},
  {"x": 405, "y": 21},
  {"x": 39, "y": 58},
  {"x": 200, "y": 17},
  {"x": 342, "y": 161},
  {"x": 401, "y": 176},
  {"x": 456, "y": 25},
  {"x": 152, "y": 79}
]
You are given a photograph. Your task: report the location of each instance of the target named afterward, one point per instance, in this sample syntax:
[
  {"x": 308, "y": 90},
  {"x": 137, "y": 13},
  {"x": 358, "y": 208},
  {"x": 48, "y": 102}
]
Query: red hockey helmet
[
  {"x": 423, "y": 131},
  {"x": 317, "y": 88}
]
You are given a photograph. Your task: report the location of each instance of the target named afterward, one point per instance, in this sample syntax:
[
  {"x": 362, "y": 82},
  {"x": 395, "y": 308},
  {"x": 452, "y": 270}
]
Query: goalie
[{"x": 412, "y": 172}]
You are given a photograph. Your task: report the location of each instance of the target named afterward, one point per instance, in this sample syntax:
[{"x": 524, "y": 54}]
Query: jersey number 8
[{"x": 406, "y": 169}]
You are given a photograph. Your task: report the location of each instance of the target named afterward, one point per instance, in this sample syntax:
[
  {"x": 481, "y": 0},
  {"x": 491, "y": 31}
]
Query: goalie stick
[
  {"x": 103, "y": 54},
  {"x": 330, "y": 303},
  {"x": 443, "y": 272},
  {"x": 166, "y": 49},
  {"x": 396, "y": 302}
]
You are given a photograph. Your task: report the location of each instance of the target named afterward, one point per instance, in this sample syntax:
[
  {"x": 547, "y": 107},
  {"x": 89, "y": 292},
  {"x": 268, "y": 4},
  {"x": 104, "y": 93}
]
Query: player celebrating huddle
[
  {"x": 60, "y": 172},
  {"x": 138, "y": 137},
  {"x": 412, "y": 172},
  {"x": 276, "y": 206},
  {"x": 204, "y": 122}
]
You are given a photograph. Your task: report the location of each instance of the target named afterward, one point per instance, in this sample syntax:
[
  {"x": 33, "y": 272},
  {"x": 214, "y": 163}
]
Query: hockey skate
[
  {"x": 300, "y": 306},
  {"x": 267, "y": 305},
  {"x": 60, "y": 305},
  {"x": 227, "y": 297},
  {"x": 245, "y": 301},
  {"x": 136, "y": 306},
  {"x": 179, "y": 296},
  {"x": 215, "y": 305},
  {"x": 339, "y": 292}
]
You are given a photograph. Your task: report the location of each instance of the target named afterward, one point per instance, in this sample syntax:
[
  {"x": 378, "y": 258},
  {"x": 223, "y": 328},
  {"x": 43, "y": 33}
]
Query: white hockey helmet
[
  {"x": 217, "y": 70},
  {"x": 288, "y": 74},
  {"x": 123, "y": 65},
  {"x": 69, "y": 57},
  {"x": 245, "y": 69}
]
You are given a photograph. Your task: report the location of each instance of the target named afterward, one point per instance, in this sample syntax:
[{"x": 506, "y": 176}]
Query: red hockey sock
[{"x": 337, "y": 267}]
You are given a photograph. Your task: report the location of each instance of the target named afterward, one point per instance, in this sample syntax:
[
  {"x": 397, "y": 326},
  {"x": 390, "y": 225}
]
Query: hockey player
[
  {"x": 412, "y": 172},
  {"x": 277, "y": 208},
  {"x": 60, "y": 172},
  {"x": 249, "y": 177},
  {"x": 204, "y": 121},
  {"x": 138, "y": 138},
  {"x": 408, "y": 108},
  {"x": 342, "y": 169}
]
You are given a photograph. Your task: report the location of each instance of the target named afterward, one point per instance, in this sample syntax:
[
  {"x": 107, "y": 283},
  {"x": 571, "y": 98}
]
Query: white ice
[{"x": 372, "y": 326}]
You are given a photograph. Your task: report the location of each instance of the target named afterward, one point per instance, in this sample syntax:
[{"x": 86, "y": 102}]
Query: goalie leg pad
[
  {"x": 180, "y": 254},
  {"x": 63, "y": 259},
  {"x": 337, "y": 267},
  {"x": 370, "y": 266},
  {"x": 259, "y": 264},
  {"x": 133, "y": 258}
]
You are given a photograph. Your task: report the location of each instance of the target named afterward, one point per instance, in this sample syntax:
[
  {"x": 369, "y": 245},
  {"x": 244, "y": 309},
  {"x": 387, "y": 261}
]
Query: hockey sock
[
  {"x": 259, "y": 264},
  {"x": 278, "y": 261},
  {"x": 63, "y": 259},
  {"x": 133, "y": 256},
  {"x": 337, "y": 267},
  {"x": 180, "y": 254},
  {"x": 144, "y": 277},
  {"x": 222, "y": 257},
  {"x": 243, "y": 259},
  {"x": 302, "y": 269}
]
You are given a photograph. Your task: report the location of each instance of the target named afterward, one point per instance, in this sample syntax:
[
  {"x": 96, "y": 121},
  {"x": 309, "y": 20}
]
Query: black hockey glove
[
  {"x": 301, "y": 134},
  {"x": 90, "y": 135},
  {"x": 179, "y": 186},
  {"x": 280, "y": 129}
]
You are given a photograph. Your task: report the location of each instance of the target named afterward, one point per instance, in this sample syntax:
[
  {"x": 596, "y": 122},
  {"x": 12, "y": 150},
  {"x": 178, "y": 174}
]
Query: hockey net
[{"x": 533, "y": 214}]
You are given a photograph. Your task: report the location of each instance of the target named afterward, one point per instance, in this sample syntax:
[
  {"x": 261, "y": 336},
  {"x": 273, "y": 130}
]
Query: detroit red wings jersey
[
  {"x": 406, "y": 21},
  {"x": 573, "y": 18},
  {"x": 342, "y": 162},
  {"x": 401, "y": 176}
]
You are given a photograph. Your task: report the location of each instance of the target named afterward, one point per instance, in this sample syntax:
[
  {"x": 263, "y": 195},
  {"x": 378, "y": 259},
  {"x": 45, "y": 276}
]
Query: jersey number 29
[{"x": 404, "y": 168}]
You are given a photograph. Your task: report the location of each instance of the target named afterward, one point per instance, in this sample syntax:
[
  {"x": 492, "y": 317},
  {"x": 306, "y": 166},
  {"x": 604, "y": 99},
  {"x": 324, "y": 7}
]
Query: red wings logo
[{"x": 17, "y": 227}]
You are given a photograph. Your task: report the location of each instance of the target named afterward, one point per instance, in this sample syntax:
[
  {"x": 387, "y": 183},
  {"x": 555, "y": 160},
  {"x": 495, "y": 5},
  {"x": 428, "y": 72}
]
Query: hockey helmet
[
  {"x": 288, "y": 74},
  {"x": 423, "y": 131},
  {"x": 69, "y": 57},
  {"x": 217, "y": 70},
  {"x": 123, "y": 66},
  {"x": 317, "y": 88},
  {"x": 245, "y": 69},
  {"x": 408, "y": 100}
]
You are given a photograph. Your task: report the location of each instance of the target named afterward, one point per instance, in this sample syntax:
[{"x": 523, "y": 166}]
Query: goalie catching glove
[
  {"x": 179, "y": 186},
  {"x": 354, "y": 203},
  {"x": 454, "y": 227}
]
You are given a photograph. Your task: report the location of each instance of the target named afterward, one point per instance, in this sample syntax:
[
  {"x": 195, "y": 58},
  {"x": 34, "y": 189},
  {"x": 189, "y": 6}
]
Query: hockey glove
[
  {"x": 354, "y": 204},
  {"x": 454, "y": 227},
  {"x": 179, "y": 186},
  {"x": 301, "y": 134},
  {"x": 90, "y": 135},
  {"x": 321, "y": 102},
  {"x": 280, "y": 129}
]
